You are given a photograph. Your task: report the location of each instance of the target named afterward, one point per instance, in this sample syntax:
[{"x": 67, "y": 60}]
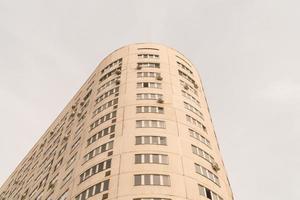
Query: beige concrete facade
[{"x": 139, "y": 128}]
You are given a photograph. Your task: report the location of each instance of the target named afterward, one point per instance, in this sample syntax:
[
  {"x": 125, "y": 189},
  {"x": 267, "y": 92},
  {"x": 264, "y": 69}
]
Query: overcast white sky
[{"x": 247, "y": 52}]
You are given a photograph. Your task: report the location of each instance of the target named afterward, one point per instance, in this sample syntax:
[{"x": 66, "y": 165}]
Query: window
[
  {"x": 92, "y": 191},
  {"x": 148, "y": 85},
  {"x": 101, "y": 134},
  {"x": 148, "y": 96},
  {"x": 95, "y": 169},
  {"x": 206, "y": 173},
  {"x": 199, "y": 152},
  {"x": 107, "y": 94},
  {"x": 105, "y": 106},
  {"x": 75, "y": 144},
  {"x": 103, "y": 119},
  {"x": 151, "y": 159},
  {"x": 208, "y": 193},
  {"x": 104, "y": 147},
  {"x": 193, "y": 109},
  {"x": 104, "y": 77},
  {"x": 107, "y": 84},
  {"x": 152, "y": 179},
  {"x": 62, "y": 150},
  {"x": 149, "y": 109},
  {"x": 155, "y": 56},
  {"x": 148, "y": 74},
  {"x": 58, "y": 164},
  {"x": 155, "y": 140},
  {"x": 71, "y": 160},
  {"x": 187, "y": 77},
  {"x": 150, "y": 124},
  {"x": 199, "y": 137},
  {"x": 116, "y": 63},
  {"x": 189, "y": 87},
  {"x": 190, "y": 97},
  {"x": 67, "y": 177},
  {"x": 148, "y": 65},
  {"x": 184, "y": 67},
  {"x": 195, "y": 122}
]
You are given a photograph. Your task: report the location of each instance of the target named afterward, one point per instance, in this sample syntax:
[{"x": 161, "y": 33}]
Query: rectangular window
[
  {"x": 193, "y": 109},
  {"x": 152, "y": 179},
  {"x": 206, "y": 173},
  {"x": 208, "y": 193},
  {"x": 148, "y": 65},
  {"x": 148, "y": 85},
  {"x": 149, "y": 109},
  {"x": 155, "y": 140},
  {"x": 184, "y": 67},
  {"x": 199, "y": 137},
  {"x": 103, "y": 148},
  {"x": 195, "y": 122},
  {"x": 105, "y": 106},
  {"x": 187, "y": 77},
  {"x": 116, "y": 63},
  {"x": 152, "y": 56},
  {"x": 107, "y": 75},
  {"x": 71, "y": 160},
  {"x": 203, "y": 154},
  {"x": 68, "y": 177},
  {"x": 107, "y": 84},
  {"x": 150, "y": 124},
  {"x": 148, "y": 74},
  {"x": 148, "y": 96},
  {"x": 93, "y": 190},
  {"x": 103, "y": 119},
  {"x": 75, "y": 144},
  {"x": 188, "y": 87},
  {"x": 95, "y": 169},
  {"x": 101, "y": 134},
  {"x": 151, "y": 159},
  {"x": 107, "y": 94}
]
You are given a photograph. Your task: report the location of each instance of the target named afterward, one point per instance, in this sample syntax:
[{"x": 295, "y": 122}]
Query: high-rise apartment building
[{"x": 138, "y": 129}]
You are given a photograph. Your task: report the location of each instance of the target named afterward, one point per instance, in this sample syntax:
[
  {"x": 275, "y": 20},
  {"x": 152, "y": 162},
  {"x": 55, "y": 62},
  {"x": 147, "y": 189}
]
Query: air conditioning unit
[
  {"x": 160, "y": 100},
  {"x": 215, "y": 166},
  {"x": 186, "y": 87},
  {"x": 118, "y": 72},
  {"x": 52, "y": 132},
  {"x": 51, "y": 185},
  {"x": 159, "y": 78}
]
